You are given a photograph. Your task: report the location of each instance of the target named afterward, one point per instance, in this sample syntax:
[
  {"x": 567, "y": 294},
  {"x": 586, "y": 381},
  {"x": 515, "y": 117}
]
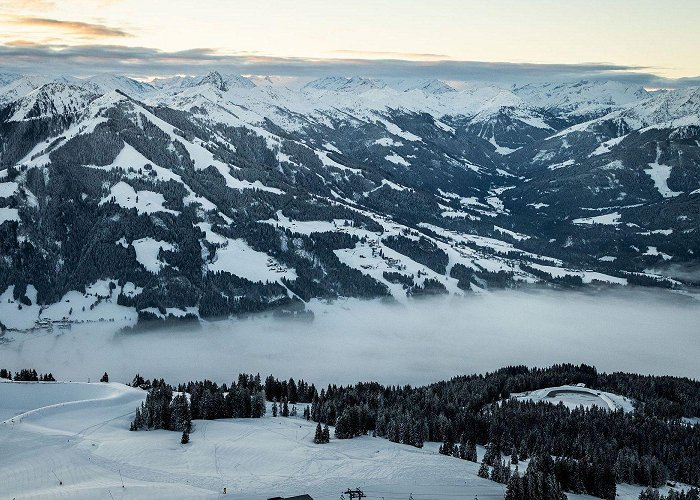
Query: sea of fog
[{"x": 423, "y": 341}]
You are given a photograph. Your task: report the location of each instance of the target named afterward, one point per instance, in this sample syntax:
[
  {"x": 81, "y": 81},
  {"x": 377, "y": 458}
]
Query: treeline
[
  {"x": 595, "y": 447},
  {"x": 653, "y": 494},
  {"x": 422, "y": 250},
  {"x": 205, "y": 400},
  {"x": 26, "y": 375}
]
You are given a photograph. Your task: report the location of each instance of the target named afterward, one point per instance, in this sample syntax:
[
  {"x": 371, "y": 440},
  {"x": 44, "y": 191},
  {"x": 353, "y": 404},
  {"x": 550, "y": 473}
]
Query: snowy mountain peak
[
  {"x": 431, "y": 86},
  {"x": 346, "y": 84},
  {"x": 107, "y": 82},
  {"x": 585, "y": 98},
  {"x": 214, "y": 79},
  {"x": 52, "y": 99},
  {"x": 226, "y": 82}
]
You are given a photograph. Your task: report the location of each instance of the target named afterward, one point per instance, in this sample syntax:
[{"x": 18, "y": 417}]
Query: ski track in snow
[{"x": 80, "y": 432}]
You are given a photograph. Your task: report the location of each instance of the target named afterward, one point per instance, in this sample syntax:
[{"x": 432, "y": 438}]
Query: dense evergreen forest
[{"x": 577, "y": 450}]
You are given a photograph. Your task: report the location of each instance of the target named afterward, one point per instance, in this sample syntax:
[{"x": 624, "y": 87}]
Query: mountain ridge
[{"x": 212, "y": 195}]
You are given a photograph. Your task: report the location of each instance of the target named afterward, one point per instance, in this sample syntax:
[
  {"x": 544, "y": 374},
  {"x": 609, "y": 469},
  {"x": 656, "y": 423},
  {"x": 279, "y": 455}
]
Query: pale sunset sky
[{"x": 646, "y": 40}]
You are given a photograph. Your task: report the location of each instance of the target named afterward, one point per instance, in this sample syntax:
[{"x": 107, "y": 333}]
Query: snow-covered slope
[
  {"x": 574, "y": 396},
  {"x": 456, "y": 190},
  {"x": 71, "y": 440},
  {"x": 51, "y": 100},
  {"x": 581, "y": 99}
]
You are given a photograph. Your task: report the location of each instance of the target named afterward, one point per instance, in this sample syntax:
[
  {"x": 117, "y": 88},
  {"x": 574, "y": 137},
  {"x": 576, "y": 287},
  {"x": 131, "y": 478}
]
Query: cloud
[
  {"x": 86, "y": 60},
  {"x": 392, "y": 55},
  {"x": 417, "y": 343},
  {"x": 74, "y": 27},
  {"x": 30, "y": 5}
]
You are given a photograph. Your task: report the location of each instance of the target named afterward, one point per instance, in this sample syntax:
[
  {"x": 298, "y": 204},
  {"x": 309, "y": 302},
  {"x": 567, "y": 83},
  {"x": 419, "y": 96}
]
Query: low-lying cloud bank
[
  {"x": 86, "y": 60},
  {"x": 426, "y": 341}
]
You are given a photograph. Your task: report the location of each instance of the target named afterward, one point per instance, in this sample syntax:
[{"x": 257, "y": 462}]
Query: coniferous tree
[
  {"x": 318, "y": 435},
  {"x": 483, "y": 470},
  {"x": 181, "y": 419},
  {"x": 105, "y": 378},
  {"x": 471, "y": 451},
  {"x": 514, "y": 488},
  {"x": 258, "y": 405},
  {"x": 292, "y": 393},
  {"x": 463, "y": 446}
]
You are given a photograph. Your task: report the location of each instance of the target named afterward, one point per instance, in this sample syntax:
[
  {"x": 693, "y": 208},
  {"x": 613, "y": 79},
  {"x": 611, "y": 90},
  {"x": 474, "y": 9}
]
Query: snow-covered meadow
[{"x": 71, "y": 440}]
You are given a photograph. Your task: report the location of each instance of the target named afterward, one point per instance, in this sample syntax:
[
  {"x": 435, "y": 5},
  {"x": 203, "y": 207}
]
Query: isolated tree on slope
[
  {"x": 318, "y": 435},
  {"x": 105, "y": 378}
]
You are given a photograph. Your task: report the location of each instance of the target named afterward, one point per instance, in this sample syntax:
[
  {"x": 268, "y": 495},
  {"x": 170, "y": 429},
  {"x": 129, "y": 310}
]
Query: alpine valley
[{"x": 204, "y": 197}]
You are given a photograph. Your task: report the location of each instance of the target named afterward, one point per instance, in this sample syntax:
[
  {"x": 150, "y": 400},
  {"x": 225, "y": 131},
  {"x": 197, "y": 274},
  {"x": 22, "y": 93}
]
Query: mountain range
[{"x": 199, "y": 197}]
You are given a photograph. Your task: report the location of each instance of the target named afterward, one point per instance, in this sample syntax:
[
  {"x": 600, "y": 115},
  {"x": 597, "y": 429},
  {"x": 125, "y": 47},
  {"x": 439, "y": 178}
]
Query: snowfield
[
  {"x": 81, "y": 432},
  {"x": 573, "y": 396},
  {"x": 71, "y": 440},
  {"x": 613, "y": 219}
]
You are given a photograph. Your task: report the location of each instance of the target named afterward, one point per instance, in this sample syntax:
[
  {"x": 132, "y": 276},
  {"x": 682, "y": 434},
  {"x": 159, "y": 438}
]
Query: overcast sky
[{"x": 643, "y": 41}]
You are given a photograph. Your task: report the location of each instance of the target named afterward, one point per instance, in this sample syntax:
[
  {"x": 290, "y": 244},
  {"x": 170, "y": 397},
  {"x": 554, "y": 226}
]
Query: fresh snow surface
[
  {"x": 307, "y": 227},
  {"x": 660, "y": 175},
  {"x": 14, "y": 314},
  {"x": 606, "y": 146},
  {"x": 147, "y": 253},
  {"x": 97, "y": 304},
  {"x": 129, "y": 158},
  {"x": 611, "y": 219},
  {"x": 501, "y": 150},
  {"x": 8, "y": 214},
  {"x": 397, "y": 160},
  {"x": 7, "y": 189},
  {"x": 512, "y": 234},
  {"x": 388, "y": 142},
  {"x": 78, "y": 434},
  {"x": 237, "y": 257},
  {"x": 563, "y": 164},
  {"x": 172, "y": 311},
  {"x": 82, "y": 432},
  {"x": 654, "y": 252},
  {"x": 394, "y": 129},
  {"x": 389, "y": 184},
  {"x": 574, "y": 396},
  {"x": 586, "y": 276},
  {"x": 328, "y": 162},
  {"x": 145, "y": 202}
]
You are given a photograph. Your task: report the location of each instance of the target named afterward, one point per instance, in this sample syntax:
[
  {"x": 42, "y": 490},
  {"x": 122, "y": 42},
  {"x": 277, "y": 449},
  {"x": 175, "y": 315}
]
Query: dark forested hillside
[
  {"x": 580, "y": 450},
  {"x": 212, "y": 200}
]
